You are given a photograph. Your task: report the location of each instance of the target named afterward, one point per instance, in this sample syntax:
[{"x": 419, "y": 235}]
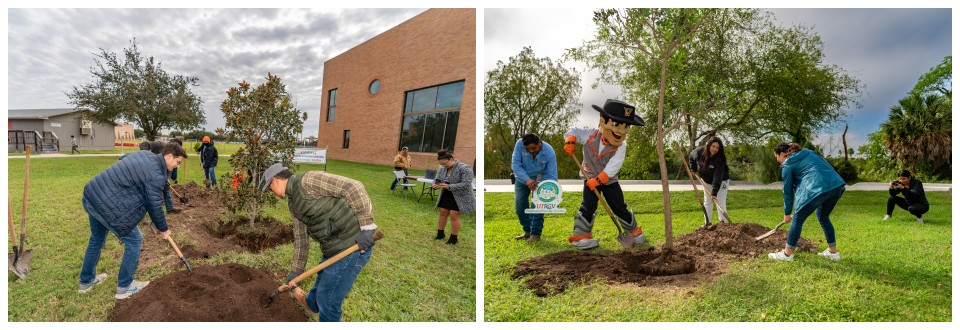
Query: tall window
[
  {"x": 346, "y": 139},
  {"x": 430, "y": 117},
  {"x": 332, "y": 105}
]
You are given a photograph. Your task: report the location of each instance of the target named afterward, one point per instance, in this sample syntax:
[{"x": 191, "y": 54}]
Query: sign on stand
[
  {"x": 546, "y": 198},
  {"x": 311, "y": 156}
]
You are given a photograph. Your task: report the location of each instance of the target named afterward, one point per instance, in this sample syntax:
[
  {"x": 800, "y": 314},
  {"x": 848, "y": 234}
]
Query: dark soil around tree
[
  {"x": 223, "y": 293},
  {"x": 205, "y": 228},
  {"x": 698, "y": 257}
]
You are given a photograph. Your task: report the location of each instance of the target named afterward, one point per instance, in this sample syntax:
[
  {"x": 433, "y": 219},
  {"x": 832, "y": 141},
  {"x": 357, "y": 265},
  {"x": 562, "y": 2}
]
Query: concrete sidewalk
[{"x": 501, "y": 186}]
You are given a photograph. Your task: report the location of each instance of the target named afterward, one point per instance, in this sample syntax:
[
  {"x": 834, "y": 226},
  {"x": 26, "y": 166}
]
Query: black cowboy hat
[{"x": 620, "y": 112}]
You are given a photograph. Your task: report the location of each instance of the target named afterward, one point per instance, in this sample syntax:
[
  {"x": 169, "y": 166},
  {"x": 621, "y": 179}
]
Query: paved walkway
[{"x": 491, "y": 186}]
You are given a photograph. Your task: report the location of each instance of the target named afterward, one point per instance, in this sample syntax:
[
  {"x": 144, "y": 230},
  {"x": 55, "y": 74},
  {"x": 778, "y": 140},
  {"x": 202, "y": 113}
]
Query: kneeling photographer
[{"x": 913, "y": 200}]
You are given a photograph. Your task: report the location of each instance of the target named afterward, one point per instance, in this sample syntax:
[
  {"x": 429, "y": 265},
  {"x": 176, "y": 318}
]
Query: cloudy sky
[
  {"x": 887, "y": 49},
  {"x": 51, "y": 50}
]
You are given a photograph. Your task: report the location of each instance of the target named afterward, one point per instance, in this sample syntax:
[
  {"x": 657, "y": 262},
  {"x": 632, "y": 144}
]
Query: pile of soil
[
  {"x": 223, "y": 293},
  {"x": 202, "y": 222},
  {"x": 696, "y": 258}
]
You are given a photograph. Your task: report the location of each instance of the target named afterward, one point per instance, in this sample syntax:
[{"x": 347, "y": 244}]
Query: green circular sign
[{"x": 548, "y": 192}]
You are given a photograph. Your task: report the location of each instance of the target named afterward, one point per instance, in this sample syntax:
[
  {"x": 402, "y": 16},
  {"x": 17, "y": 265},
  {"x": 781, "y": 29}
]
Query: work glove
[
  {"x": 593, "y": 183},
  {"x": 365, "y": 239},
  {"x": 570, "y": 146},
  {"x": 290, "y": 277}
]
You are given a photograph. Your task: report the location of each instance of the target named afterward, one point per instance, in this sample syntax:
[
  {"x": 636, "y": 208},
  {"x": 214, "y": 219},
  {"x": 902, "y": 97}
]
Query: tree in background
[
  {"x": 526, "y": 94},
  {"x": 137, "y": 90},
  {"x": 938, "y": 79},
  {"x": 918, "y": 133},
  {"x": 267, "y": 122}
]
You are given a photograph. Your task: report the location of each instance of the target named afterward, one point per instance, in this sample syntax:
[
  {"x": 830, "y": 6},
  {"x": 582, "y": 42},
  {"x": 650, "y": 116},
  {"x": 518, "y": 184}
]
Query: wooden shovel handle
[
  {"x": 175, "y": 248},
  {"x": 26, "y": 181},
  {"x": 326, "y": 263},
  {"x": 602, "y": 201}
]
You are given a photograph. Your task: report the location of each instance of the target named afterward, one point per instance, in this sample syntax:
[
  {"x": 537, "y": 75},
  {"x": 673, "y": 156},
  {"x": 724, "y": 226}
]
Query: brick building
[{"x": 413, "y": 85}]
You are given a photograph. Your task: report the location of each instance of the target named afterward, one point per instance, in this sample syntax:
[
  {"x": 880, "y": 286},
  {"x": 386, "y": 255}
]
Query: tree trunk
[
  {"x": 845, "y": 154},
  {"x": 664, "y": 175}
]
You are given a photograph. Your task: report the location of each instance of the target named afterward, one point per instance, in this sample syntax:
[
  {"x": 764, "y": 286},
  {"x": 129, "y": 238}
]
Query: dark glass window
[
  {"x": 431, "y": 116},
  {"x": 332, "y": 105},
  {"x": 346, "y": 139}
]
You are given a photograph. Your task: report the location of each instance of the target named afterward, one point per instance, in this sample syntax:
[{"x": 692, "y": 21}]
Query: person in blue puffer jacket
[
  {"x": 116, "y": 200},
  {"x": 810, "y": 184}
]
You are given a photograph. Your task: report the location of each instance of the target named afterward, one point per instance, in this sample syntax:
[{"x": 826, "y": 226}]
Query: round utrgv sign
[{"x": 546, "y": 198}]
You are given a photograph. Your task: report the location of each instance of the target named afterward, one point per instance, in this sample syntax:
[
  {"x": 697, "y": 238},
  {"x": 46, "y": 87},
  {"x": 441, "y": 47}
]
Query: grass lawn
[
  {"x": 411, "y": 277},
  {"x": 895, "y": 270}
]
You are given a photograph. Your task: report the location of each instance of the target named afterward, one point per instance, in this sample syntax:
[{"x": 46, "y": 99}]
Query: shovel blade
[
  {"x": 771, "y": 232},
  {"x": 186, "y": 263},
  {"x": 20, "y": 266},
  {"x": 625, "y": 240}
]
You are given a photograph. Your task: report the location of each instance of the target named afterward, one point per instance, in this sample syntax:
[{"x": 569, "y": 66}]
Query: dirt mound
[
  {"x": 202, "y": 232},
  {"x": 696, "y": 258},
  {"x": 223, "y": 293}
]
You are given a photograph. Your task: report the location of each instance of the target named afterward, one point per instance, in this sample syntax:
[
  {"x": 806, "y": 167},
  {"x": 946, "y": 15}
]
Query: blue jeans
[
  {"x": 131, "y": 253},
  {"x": 333, "y": 283},
  {"x": 532, "y": 223},
  {"x": 823, "y": 205},
  {"x": 395, "y": 180},
  {"x": 209, "y": 174}
]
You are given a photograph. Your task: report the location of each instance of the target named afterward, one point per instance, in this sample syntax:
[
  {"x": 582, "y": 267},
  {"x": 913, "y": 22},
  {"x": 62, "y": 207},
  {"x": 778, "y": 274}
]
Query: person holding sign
[{"x": 533, "y": 162}]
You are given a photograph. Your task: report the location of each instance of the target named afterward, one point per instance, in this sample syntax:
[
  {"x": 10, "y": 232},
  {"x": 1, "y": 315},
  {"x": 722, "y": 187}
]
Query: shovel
[
  {"x": 771, "y": 232},
  {"x": 177, "y": 249},
  {"x": 622, "y": 237},
  {"x": 183, "y": 199},
  {"x": 683, "y": 153},
  {"x": 316, "y": 269},
  {"x": 19, "y": 262},
  {"x": 726, "y": 217}
]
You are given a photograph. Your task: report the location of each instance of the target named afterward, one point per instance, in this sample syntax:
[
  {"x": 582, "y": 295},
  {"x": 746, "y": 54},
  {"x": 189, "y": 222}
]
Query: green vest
[{"x": 330, "y": 220}]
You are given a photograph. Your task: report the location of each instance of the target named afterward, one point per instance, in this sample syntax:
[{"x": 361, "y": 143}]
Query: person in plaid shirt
[{"x": 336, "y": 212}]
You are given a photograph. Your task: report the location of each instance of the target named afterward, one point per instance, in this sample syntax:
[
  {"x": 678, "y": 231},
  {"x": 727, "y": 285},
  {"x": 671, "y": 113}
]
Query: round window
[{"x": 374, "y": 87}]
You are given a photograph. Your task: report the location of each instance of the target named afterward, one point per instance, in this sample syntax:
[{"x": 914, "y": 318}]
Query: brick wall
[{"x": 436, "y": 47}]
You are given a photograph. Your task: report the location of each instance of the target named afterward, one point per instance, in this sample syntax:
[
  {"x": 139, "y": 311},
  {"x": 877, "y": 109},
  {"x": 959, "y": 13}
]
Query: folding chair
[
  {"x": 428, "y": 177},
  {"x": 403, "y": 186}
]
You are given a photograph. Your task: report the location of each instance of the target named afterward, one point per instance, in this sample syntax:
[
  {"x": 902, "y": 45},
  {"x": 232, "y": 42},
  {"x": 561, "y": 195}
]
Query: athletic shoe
[
  {"x": 84, "y": 288},
  {"x": 134, "y": 287},
  {"x": 779, "y": 255},
  {"x": 832, "y": 256},
  {"x": 586, "y": 244}
]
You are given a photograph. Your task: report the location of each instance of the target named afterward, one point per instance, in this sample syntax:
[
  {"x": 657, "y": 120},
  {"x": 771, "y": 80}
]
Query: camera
[{"x": 897, "y": 183}]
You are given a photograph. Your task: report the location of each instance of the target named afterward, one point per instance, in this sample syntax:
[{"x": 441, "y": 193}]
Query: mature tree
[
  {"x": 938, "y": 79},
  {"x": 267, "y": 122},
  {"x": 918, "y": 132},
  {"x": 136, "y": 89},
  {"x": 529, "y": 95},
  {"x": 635, "y": 48}
]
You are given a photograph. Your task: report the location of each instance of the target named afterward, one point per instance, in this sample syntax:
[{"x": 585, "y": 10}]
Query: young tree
[
  {"x": 267, "y": 122},
  {"x": 529, "y": 95},
  {"x": 635, "y": 48},
  {"x": 137, "y": 90}
]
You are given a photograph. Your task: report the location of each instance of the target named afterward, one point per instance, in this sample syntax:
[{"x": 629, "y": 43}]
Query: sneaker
[
  {"x": 886, "y": 217},
  {"x": 832, "y": 256},
  {"x": 84, "y": 288},
  {"x": 779, "y": 255},
  {"x": 586, "y": 244},
  {"x": 920, "y": 219},
  {"x": 639, "y": 240},
  {"x": 522, "y": 237},
  {"x": 533, "y": 239},
  {"x": 134, "y": 287}
]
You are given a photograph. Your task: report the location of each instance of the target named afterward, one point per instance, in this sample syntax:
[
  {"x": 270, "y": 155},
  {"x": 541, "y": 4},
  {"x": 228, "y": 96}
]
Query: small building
[
  {"x": 412, "y": 86},
  {"x": 46, "y": 129}
]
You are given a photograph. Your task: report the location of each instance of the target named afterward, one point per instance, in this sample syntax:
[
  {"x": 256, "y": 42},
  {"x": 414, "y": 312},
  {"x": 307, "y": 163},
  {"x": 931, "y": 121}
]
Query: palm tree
[{"x": 918, "y": 131}]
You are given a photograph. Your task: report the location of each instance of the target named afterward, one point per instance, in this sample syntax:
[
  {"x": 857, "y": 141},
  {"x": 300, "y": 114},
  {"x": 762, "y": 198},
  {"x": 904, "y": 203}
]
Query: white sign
[
  {"x": 54, "y": 124},
  {"x": 310, "y": 155},
  {"x": 546, "y": 198}
]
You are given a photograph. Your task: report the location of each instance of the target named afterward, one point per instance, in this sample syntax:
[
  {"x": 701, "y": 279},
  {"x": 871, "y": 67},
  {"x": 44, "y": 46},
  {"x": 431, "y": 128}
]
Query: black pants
[
  {"x": 74, "y": 149},
  {"x": 614, "y": 197},
  {"x": 916, "y": 209}
]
